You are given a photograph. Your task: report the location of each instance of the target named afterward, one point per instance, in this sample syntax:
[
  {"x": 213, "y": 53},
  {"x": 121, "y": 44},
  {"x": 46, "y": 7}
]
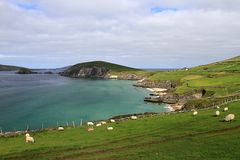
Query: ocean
[{"x": 48, "y": 100}]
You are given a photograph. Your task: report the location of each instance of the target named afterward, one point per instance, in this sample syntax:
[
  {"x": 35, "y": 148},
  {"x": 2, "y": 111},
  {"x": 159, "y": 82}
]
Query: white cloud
[{"x": 59, "y": 32}]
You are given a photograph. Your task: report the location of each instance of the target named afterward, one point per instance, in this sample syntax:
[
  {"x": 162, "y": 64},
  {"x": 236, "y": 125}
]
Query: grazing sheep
[
  {"x": 103, "y": 122},
  {"x": 229, "y": 117},
  {"x": 195, "y": 113},
  {"x": 217, "y": 113},
  {"x": 60, "y": 128},
  {"x": 112, "y": 120},
  {"x": 90, "y": 123},
  {"x": 225, "y": 109},
  {"x": 109, "y": 128},
  {"x": 29, "y": 138},
  {"x": 133, "y": 117},
  {"x": 217, "y": 107},
  {"x": 90, "y": 129},
  {"x": 98, "y": 125}
]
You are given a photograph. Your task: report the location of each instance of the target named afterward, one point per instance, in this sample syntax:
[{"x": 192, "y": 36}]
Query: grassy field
[
  {"x": 177, "y": 136},
  {"x": 223, "y": 78}
]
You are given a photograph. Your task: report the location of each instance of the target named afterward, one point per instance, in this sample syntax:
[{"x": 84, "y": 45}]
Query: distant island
[{"x": 9, "y": 68}]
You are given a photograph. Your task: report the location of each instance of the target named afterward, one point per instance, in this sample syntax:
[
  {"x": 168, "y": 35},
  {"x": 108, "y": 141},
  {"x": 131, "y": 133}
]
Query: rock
[
  {"x": 25, "y": 71},
  {"x": 86, "y": 72},
  {"x": 155, "y": 84}
]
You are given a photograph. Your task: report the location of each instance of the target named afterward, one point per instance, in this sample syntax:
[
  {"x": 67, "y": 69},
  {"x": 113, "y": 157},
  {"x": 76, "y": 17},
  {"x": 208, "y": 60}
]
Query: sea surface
[{"x": 41, "y": 100}]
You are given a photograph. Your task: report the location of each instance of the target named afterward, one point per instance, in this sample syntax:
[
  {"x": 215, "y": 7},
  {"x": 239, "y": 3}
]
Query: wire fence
[
  {"x": 44, "y": 126},
  {"x": 221, "y": 102}
]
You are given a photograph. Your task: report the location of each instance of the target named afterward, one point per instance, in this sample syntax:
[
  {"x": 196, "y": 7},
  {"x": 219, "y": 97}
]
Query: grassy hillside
[
  {"x": 229, "y": 65},
  {"x": 8, "y": 68},
  {"x": 111, "y": 66},
  {"x": 177, "y": 136},
  {"x": 223, "y": 78}
]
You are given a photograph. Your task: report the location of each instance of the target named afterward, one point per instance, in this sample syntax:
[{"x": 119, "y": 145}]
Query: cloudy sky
[{"x": 137, "y": 33}]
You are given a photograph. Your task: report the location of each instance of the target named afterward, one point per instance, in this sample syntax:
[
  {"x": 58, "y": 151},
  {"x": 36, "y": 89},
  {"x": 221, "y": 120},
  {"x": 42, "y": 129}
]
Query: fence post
[
  {"x": 42, "y": 125},
  {"x": 27, "y": 127},
  {"x": 81, "y": 123},
  {"x": 1, "y": 130},
  {"x": 73, "y": 124},
  {"x": 57, "y": 124}
]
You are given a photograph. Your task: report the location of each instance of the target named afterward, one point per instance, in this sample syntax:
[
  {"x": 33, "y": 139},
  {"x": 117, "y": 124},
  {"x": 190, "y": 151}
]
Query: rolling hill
[
  {"x": 9, "y": 68},
  {"x": 96, "y": 69}
]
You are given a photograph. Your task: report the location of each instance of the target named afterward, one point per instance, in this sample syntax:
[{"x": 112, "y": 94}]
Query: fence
[
  {"x": 44, "y": 126},
  {"x": 222, "y": 102}
]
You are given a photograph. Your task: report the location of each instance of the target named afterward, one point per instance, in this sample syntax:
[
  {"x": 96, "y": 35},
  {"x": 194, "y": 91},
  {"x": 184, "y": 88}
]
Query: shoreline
[{"x": 158, "y": 92}]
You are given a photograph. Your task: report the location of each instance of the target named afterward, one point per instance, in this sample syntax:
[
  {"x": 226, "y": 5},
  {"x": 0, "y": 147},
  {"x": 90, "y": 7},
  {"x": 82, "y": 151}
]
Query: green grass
[
  {"x": 175, "y": 136},
  {"x": 221, "y": 77},
  {"x": 111, "y": 66}
]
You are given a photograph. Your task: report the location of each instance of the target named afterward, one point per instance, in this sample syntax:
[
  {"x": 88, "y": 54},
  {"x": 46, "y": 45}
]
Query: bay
[{"x": 51, "y": 99}]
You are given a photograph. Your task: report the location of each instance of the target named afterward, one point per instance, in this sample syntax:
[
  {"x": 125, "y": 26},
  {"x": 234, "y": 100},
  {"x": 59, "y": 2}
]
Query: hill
[
  {"x": 209, "y": 82},
  {"x": 96, "y": 69},
  {"x": 229, "y": 65},
  {"x": 9, "y": 68}
]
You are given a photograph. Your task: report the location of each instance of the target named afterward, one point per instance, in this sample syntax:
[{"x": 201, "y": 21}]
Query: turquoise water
[{"x": 50, "y": 99}]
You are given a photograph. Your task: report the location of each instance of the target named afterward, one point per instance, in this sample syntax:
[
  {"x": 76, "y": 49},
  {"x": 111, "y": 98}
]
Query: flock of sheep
[
  {"x": 228, "y": 118},
  {"x": 89, "y": 124}
]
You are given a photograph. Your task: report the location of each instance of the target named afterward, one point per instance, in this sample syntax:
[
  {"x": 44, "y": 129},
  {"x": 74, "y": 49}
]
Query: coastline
[{"x": 158, "y": 92}]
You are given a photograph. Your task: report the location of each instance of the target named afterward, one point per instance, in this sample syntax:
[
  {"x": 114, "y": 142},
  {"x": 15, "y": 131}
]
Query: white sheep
[
  {"x": 109, "y": 128},
  {"x": 229, "y": 117},
  {"x": 29, "y": 138},
  {"x": 90, "y": 123},
  {"x": 133, "y": 117},
  {"x": 112, "y": 120},
  {"x": 225, "y": 109},
  {"x": 90, "y": 129},
  {"x": 103, "y": 122},
  {"x": 217, "y": 107},
  {"x": 217, "y": 113},
  {"x": 98, "y": 125},
  {"x": 60, "y": 128},
  {"x": 195, "y": 113}
]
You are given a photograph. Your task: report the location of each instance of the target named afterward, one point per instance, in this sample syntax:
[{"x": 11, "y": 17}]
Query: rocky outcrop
[
  {"x": 86, "y": 72},
  {"x": 128, "y": 76},
  {"x": 173, "y": 98},
  {"x": 25, "y": 71},
  {"x": 98, "y": 72},
  {"x": 156, "y": 84}
]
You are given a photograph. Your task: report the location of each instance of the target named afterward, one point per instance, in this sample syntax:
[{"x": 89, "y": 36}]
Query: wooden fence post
[{"x": 73, "y": 124}]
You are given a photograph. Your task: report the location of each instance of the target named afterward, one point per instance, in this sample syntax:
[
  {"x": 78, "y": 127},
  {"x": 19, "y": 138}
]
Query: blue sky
[
  {"x": 137, "y": 33},
  {"x": 28, "y": 6}
]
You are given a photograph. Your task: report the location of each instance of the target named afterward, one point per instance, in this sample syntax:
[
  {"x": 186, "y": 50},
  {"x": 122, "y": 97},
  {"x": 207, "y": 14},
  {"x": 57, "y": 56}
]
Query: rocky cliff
[{"x": 87, "y": 72}]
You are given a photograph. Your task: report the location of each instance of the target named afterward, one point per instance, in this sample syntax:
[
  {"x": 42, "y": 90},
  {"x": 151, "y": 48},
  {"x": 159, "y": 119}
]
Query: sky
[{"x": 136, "y": 33}]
